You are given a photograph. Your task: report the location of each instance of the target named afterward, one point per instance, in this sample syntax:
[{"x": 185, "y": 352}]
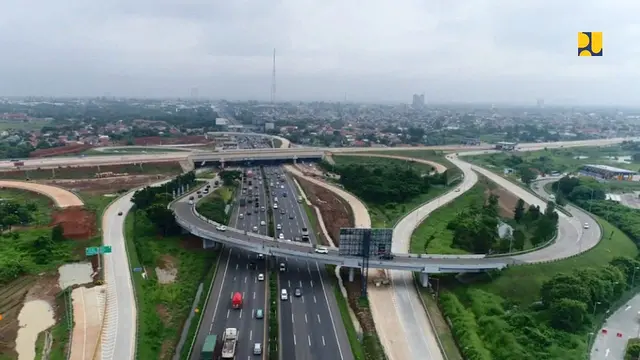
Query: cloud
[{"x": 375, "y": 50}]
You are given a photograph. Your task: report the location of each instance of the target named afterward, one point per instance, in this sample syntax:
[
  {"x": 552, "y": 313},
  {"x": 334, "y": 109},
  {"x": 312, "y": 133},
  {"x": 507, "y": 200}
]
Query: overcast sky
[{"x": 371, "y": 50}]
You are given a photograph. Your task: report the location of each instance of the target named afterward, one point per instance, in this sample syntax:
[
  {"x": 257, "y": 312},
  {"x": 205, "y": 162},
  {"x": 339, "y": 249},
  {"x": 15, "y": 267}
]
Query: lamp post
[{"x": 595, "y": 306}]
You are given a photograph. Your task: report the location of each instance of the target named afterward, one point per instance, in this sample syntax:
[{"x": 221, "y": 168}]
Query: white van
[{"x": 284, "y": 295}]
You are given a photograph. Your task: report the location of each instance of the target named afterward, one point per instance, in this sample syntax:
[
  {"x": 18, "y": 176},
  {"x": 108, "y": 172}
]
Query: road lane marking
[
  {"x": 319, "y": 322},
  {"x": 245, "y": 279},
  {"x": 335, "y": 332},
  {"x": 305, "y": 318},
  {"x": 289, "y": 282},
  {"x": 250, "y": 335},
  {"x": 224, "y": 275},
  {"x": 323, "y": 343},
  {"x": 292, "y": 321},
  {"x": 300, "y": 283},
  {"x": 309, "y": 339},
  {"x": 314, "y": 299},
  {"x": 254, "y": 295},
  {"x": 240, "y": 313},
  {"x": 228, "y": 313},
  {"x": 234, "y": 279},
  {"x": 294, "y": 340},
  {"x": 311, "y": 283}
]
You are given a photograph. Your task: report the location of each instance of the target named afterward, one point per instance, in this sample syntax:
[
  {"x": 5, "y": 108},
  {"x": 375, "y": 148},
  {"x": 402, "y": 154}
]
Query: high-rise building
[{"x": 418, "y": 101}]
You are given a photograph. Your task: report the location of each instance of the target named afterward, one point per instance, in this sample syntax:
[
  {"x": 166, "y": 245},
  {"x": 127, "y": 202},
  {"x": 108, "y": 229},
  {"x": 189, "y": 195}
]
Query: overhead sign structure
[
  {"x": 95, "y": 250},
  {"x": 352, "y": 242}
]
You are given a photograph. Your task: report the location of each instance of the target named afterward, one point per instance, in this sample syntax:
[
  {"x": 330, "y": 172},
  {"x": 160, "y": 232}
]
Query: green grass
[
  {"x": 195, "y": 322},
  {"x": 44, "y": 205},
  {"x": 343, "y": 305},
  {"x": 131, "y": 150},
  {"x": 431, "y": 155},
  {"x": 522, "y": 284},
  {"x": 162, "y": 308},
  {"x": 274, "y": 326},
  {"x": 432, "y": 236},
  {"x": 379, "y": 161},
  {"x": 207, "y": 174}
]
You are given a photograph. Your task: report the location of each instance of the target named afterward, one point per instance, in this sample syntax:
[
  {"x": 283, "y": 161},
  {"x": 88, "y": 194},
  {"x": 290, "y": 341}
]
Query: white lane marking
[
  {"x": 254, "y": 295},
  {"x": 234, "y": 280},
  {"x": 305, "y": 318},
  {"x": 302, "y": 298},
  {"x": 606, "y": 353},
  {"x": 294, "y": 340},
  {"x": 311, "y": 283},
  {"x": 314, "y": 299},
  {"x": 323, "y": 343},
  {"x": 309, "y": 339},
  {"x": 627, "y": 308},
  {"x": 289, "y": 282},
  {"x": 300, "y": 283},
  {"x": 228, "y": 313},
  {"x": 224, "y": 275},
  {"x": 319, "y": 322},
  {"x": 211, "y": 328},
  {"x": 292, "y": 321},
  {"x": 335, "y": 332},
  {"x": 240, "y": 313},
  {"x": 250, "y": 335},
  {"x": 245, "y": 279}
]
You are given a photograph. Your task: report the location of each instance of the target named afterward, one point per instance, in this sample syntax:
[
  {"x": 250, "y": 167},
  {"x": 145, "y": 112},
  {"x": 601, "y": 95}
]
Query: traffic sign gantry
[{"x": 95, "y": 250}]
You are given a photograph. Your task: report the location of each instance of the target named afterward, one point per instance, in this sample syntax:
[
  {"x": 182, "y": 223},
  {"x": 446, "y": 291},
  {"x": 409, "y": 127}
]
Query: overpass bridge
[
  {"x": 190, "y": 220},
  {"x": 234, "y": 157}
]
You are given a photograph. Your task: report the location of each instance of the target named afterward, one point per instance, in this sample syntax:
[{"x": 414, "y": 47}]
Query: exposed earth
[
  {"x": 60, "y": 151},
  {"x": 108, "y": 185},
  {"x": 77, "y": 223},
  {"x": 92, "y": 172}
]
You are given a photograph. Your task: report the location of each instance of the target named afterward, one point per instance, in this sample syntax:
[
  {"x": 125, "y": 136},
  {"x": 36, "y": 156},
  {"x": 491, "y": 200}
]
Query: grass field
[
  {"x": 521, "y": 284},
  {"x": 380, "y": 161},
  {"x": 20, "y": 125},
  {"x": 44, "y": 205},
  {"x": 163, "y": 308},
  {"x": 431, "y": 155}
]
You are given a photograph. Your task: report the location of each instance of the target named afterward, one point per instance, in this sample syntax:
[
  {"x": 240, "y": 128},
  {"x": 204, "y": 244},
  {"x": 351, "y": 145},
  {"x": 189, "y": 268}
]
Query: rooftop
[{"x": 611, "y": 169}]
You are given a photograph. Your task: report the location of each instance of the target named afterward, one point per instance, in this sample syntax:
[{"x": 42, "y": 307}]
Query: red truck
[{"x": 236, "y": 301}]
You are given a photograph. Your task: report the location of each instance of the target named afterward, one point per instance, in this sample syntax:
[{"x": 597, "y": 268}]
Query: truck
[
  {"x": 305, "y": 234},
  {"x": 236, "y": 300},
  {"x": 18, "y": 163},
  {"x": 209, "y": 347},
  {"x": 229, "y": 342}
]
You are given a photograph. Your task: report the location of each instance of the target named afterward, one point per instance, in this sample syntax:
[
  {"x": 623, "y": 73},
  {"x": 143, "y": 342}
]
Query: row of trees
[
  {"x": 15, "y": 213},
  {"x": 154, "y": 201},
  {"x": 491, "y": 328},
  {"x": 381, "y": 184}
]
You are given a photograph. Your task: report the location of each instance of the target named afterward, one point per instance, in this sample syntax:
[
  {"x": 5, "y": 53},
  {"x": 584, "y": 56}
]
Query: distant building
[
  {"x": 269, "y": 126},
  {"x": 222, "y": 122},
  {"x": 503, "y": 145},
  {"x": 418, "y": 101},
  {"x": 471, "y": 141},
  {"x": 606, "y": 172}
]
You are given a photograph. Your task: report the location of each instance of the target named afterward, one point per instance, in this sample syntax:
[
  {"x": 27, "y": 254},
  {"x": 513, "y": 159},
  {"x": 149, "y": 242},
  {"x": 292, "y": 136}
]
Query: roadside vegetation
[
  {"x": 546, "y": 311},
  {"x": 633, "y": 350},
  {"x": 469, "y": 225},
  {"x": 431, "y": 155},
  {"x": 274, "y": 329},
  {"x": 389, "y": 187},
  {"x": 215, "y": 205}
]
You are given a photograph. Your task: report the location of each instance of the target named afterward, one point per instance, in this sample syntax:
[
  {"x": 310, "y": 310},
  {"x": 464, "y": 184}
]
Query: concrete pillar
[
  {"x": 424, "y": 279},
  {"x": 352, "y": 274}
]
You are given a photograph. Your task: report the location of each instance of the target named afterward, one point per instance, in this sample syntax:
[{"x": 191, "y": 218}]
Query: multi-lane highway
[
  {"x": 239, "y": 272},
  {"x": 309, "y": 326}
]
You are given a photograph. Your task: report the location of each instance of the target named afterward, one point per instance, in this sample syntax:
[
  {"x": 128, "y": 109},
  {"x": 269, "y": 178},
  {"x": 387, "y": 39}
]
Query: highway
[
  {"x": 235, "y": 274},
  {"x": 119, "y": 332},
  {"x": 310, "y": 325}
]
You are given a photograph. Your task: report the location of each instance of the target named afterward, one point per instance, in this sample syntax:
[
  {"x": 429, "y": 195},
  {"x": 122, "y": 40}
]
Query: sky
[{"x": 490, "y": 51}]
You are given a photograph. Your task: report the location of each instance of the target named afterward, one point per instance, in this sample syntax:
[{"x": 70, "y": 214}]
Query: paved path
[
  {"x": 88, "y": 312},
  {"x": 624, "y": 324},
  {"x": 63, "y": 198}
]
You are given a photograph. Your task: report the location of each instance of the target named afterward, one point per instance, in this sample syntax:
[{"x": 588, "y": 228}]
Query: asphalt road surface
[
  {"x": 611, "y": 341},
  {"x": 310, "y": 324},
  {"x": 235, "y": 274}
]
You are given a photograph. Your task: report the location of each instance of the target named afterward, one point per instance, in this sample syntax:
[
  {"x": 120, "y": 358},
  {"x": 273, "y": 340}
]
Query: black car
[
  {"x": 252, "y": 265},
  {"x": 119, "y": 213},
  {"x": 298, "y": 292},
  {"x": 249, "y": 212}
]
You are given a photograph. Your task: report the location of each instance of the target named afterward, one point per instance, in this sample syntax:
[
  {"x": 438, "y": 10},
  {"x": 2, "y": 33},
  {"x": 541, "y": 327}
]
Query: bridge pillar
[
  {"x": 424, "y": 279},
  {"x": 352, "y": 274}
]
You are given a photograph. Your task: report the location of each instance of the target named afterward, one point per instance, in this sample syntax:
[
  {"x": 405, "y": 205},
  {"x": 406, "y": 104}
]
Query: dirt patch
[
  {"x": 336, "y": 213},
  {"x": 191, "y": 242},
  {"x": 77, "y": 223},
  {"x": 506, "y": 200},
  {"x": 363, "y": 313},
  {"x": 91, "y": 172},
  {"x": 13, "y": 295},
  {"x": 166, "y": 269},
  {"x": 59, "y": 151},
  {"x": 107, "y": 185}
]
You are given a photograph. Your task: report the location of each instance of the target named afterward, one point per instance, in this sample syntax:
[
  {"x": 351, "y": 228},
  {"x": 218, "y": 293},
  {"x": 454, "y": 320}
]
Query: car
[
  {"x": 241, "y": 216},
  {"x": 298, "y": 292},
  {"x": 260, "y": 277},
  {"x": 282, "y": 212},
  {"x": 199, "y": 196},
  {"x": 291, "y": 216},
  {"x": 281, "y": 186},
  {"x": 281, "y": 236},
  {"x": 458, "y": 190},
  {"x": 275, "y": 206},
  {"x": 284, "y": 194},
  {"x": 252, "y": 265},
  {"x": 259, "y": 313},
  {"x": 221, "y": 228},
  {"x": 586, "y": 225},
  {"x": 190, "y": 202},
  {"x": 278, "y": 227},
  {"x": 322, "y": 250},
  {"x": 260, "y": 256},
  {"x": 284, "y": 295},
  {"x": 257, "y": 349},
  {"x": 283, "y": 267},
  {"x": 297, "y": 239},
  {"x": 263, "y": 223},
  {"x": 255, "y": 229},
  {"x": 119, "y": 213},
  {"x": 262, "y": 208},
  {"x": 248, "y": 212},
  {"x": 190, "y": 197}
]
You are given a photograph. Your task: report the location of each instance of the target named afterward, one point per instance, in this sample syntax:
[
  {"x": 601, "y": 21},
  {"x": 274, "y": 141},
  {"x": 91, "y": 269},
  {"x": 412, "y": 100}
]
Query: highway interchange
[{"x": 258, "y": 286}]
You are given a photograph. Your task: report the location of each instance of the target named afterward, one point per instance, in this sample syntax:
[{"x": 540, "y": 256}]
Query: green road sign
[{"x": 95, "y": 250}]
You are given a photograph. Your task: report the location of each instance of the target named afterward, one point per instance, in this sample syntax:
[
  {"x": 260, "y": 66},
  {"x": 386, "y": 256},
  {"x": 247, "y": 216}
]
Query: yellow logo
[{"x": 590, "y": 43}]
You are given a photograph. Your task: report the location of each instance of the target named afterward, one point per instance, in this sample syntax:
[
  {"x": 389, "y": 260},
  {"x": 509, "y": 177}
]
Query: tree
[
  {"x": 42, "y": 249},
  {"x": 568, "y": 315},
  {"x": 519, "y": 211},
  {"x": 527, "y": 175},
  {"x": 518, "y": 239},
  {"x": 10, "y": 220},
  {"x": 57, "y": 234},
  {"x": 162, "y": 217}
]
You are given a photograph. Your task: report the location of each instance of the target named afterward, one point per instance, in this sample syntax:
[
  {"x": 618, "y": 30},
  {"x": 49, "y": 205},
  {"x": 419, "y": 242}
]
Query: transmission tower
[{"x": 273, "y": 78}]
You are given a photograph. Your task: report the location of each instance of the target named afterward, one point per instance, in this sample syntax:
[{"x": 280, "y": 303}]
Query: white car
[
  {"x": 262, "y": 223},
  {"x": 281, "y": 236},
  {"x": 586, "y": 225},
  {"x": 190, "y": 202},
  {"x": 281, "y": 186},
  {"x": 221, "y": 228},
  {"x": 278, "y": 227},
  {"x": 275, "y": 206},
  {"x": 284, "y": 295},
  {"x": 260, "y": 277},
  {"x": 241, "y": 216},
  {"x": 255, "y": 229},
  {"x": 322, "y": 250}
]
